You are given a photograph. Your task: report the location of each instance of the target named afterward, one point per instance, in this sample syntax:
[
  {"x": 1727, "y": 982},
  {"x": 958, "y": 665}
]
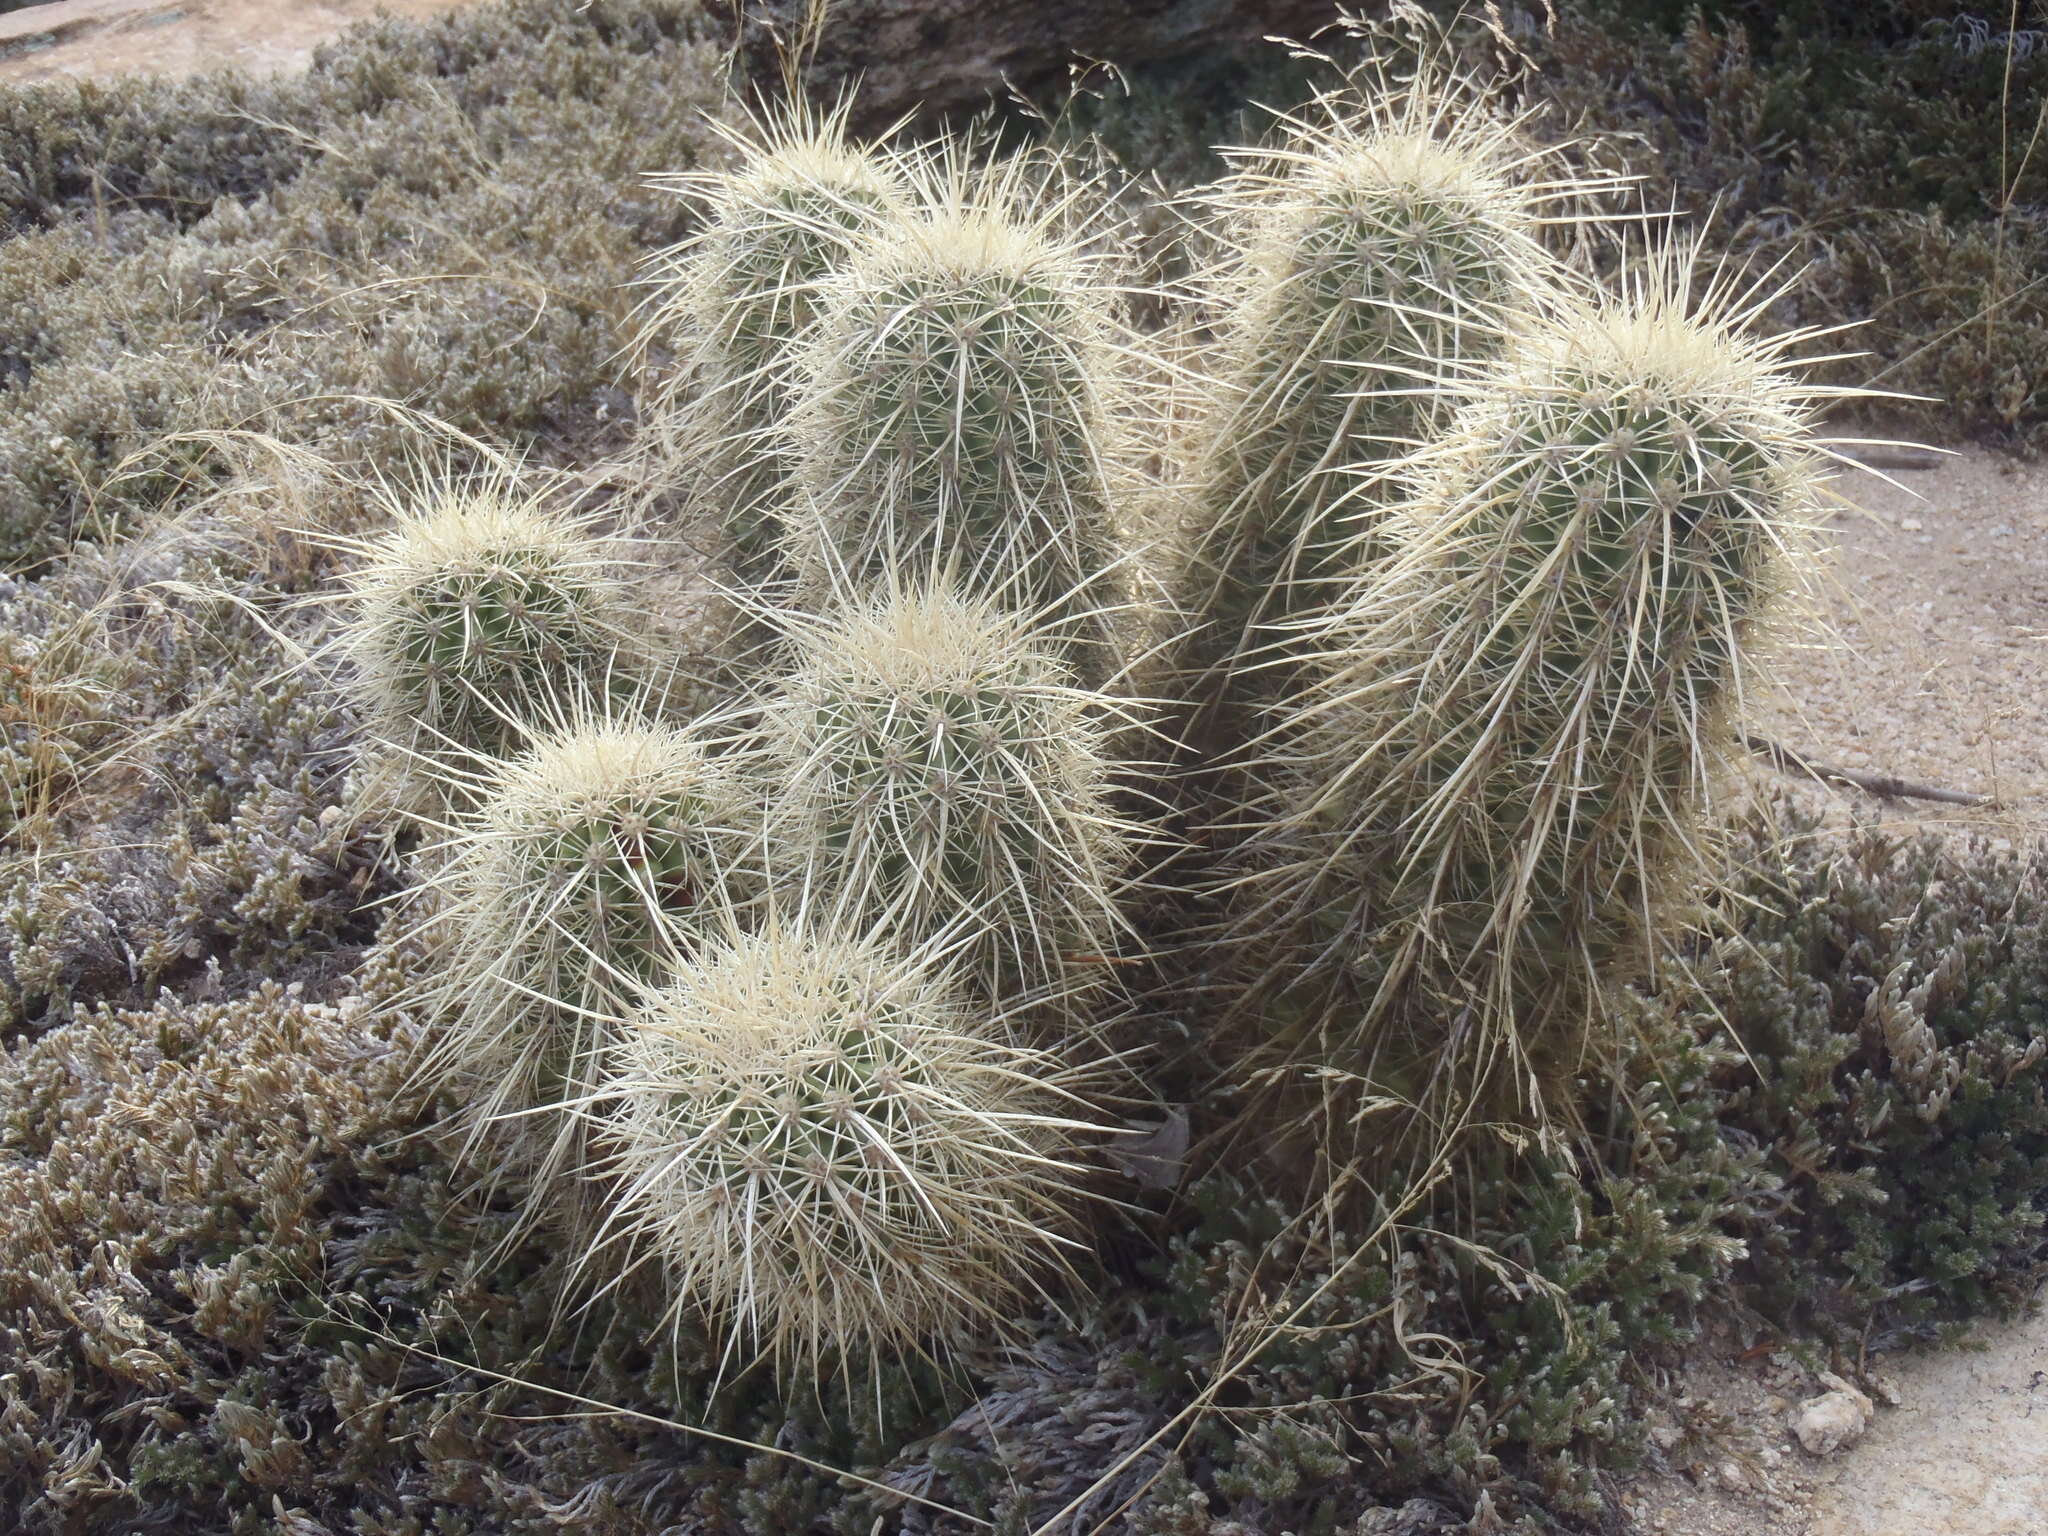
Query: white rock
[{"x": 1836, "y": 1418}]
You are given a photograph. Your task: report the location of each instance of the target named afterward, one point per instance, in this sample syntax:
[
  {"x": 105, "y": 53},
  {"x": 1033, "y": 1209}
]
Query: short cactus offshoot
[
  {"x": 828, "y": 1150},
  {"x": 1499, "y": 777},
  {"x": 480, "y": 614},
  {"x": 1380, "y": 250},
  {"x": 586, "y": 873},
  {"x": 945, "y": 777},
  {"x": 956, "y": 416},
  {"x": 742, "y": 295}
]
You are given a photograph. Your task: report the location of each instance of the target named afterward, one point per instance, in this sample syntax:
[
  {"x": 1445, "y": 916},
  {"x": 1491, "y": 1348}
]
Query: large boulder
[{"x": 936, "y": 56}]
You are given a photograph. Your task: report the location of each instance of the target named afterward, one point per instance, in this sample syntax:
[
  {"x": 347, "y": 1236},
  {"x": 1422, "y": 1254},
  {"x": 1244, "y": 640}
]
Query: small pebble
[{"x": 1836, "y": 1418}]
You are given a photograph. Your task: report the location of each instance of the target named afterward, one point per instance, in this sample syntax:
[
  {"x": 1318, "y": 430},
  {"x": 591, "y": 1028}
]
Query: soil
[
  {"x": 1959, "y": 1447},
  {"x": 1935, "y": 671},
  {"x": 1929, "y": 661},
  {"x": 94, "y": 38}
]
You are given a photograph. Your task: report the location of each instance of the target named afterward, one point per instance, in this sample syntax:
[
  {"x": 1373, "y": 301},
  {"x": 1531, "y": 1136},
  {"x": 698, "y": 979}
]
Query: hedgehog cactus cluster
[
  {"x": 807, "y": 1122},
  {"x": 1497, "y": 781},
  {"x": 585, "y": 874},
  {"x": 818, "y": 1002}
]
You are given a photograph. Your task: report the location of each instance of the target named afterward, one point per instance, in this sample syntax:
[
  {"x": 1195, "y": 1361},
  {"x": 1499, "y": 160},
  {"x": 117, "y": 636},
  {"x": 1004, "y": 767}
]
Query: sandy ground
[
  {"x": 1959, "y": 1447},
  {"x": 103, "y": 37},
  {"x": 1935, "y": 589},
  {"x": 1936, "y": 671}
]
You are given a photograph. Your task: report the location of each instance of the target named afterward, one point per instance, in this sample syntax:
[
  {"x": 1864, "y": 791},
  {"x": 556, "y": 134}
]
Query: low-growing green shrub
[
  {"x": 1893, "y": 992},
  {"x": 446, "y": 213}
]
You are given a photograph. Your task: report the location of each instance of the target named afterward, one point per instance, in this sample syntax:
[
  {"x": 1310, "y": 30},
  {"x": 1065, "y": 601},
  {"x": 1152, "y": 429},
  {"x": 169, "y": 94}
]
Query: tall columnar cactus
[
  {"x": 1497, "y": 783},
  {"x": 1376, "y": 253},
  {"x": 828, "y": 1149},
  {"x": 592, "y": 866},
  {"x": 943, "y": 776},
  {"x": 957, "y": 413},
  {"x": 739, "y": 297},
  {"x": 483, "y": 614}
]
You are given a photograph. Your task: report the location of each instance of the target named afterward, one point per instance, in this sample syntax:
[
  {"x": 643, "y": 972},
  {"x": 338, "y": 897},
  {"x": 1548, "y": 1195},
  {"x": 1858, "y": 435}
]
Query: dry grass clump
[
  {"x": 447, "y": 214},
  {"x": 165, "y": 1174}
]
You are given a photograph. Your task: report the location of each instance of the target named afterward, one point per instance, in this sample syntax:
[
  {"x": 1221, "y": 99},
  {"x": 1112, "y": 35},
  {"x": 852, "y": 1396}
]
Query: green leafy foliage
[{"x": 1896, "y": 991}]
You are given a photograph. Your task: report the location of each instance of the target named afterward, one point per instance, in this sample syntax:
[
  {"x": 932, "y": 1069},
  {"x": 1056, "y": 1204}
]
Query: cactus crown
[
  {"x": 483, "y": 612},
  {"x": 1633, "y": 484},
  {"x": 832, "y": 1153},
  {"x": 774, "y": 231},
  {"x": 744, "y": 289},
  {"x": 945, "y": 775},
  {"x": 1381, "y": 252},
  {"x": 957, "y": 416},
  {"x": 586, "y": 872}
]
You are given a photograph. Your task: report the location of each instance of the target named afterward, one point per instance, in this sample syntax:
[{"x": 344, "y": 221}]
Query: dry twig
[{"x": 1885, "y": 786}]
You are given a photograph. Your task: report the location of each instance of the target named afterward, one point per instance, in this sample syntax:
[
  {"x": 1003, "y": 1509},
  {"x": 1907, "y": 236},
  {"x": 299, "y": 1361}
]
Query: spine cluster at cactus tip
[
  {"x": 480, "y": 614},
  {"x": 832, "y": 1151}
]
